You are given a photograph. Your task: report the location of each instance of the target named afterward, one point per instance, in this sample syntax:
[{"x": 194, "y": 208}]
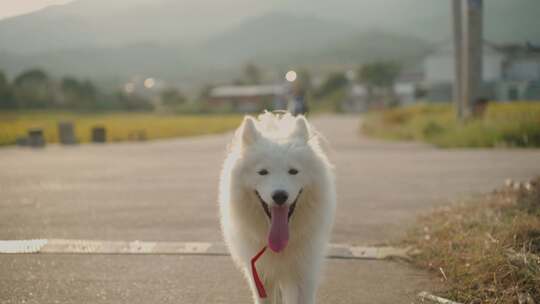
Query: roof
[
  {"x": 246, "y": 91},
  {"x": 518, "y": 50},
  {"x": 358, "y": 90},
  {"x": 510, "y": 50},
  {"x": 447, "y": 48}
]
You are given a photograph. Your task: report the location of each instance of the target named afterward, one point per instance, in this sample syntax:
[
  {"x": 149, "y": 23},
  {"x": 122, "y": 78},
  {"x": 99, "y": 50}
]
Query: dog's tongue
[{"x": 279, "y": 229}]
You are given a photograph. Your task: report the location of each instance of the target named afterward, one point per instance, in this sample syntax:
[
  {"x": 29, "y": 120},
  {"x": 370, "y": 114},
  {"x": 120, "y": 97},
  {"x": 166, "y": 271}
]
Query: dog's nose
[{"x": 280, "y": 197}]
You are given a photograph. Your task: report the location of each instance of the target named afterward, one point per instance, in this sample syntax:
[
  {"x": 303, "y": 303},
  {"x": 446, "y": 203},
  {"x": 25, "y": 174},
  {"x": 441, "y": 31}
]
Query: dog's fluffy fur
[{"x": 278, "y": 143}]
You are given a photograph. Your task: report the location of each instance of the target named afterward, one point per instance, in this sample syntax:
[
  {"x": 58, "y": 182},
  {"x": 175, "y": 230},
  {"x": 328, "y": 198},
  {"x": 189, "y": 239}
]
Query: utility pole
[
  {"x": 456, "y": 22},
  {"x": 468, "y": 40}
]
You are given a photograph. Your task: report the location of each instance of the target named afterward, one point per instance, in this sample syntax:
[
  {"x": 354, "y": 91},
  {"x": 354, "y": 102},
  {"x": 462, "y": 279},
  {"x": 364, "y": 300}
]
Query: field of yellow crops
[
  {"x": 511, "y": 124},
  {"x": 119, "y": 126}
]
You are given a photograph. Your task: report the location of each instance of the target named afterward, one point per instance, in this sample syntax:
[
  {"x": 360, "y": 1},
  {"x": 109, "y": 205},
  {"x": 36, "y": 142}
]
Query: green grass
[
  {"x": 486, "y": 249},
  {"x": 120, "y": 126},
  {"x": 515, "y": 124}
]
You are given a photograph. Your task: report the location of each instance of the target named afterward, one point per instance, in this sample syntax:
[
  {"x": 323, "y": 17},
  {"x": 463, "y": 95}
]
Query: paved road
[{"x": 166, "y": 191}]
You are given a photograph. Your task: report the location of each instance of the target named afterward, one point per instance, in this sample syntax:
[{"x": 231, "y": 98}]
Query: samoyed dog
[{"x": 277, "y": 191}]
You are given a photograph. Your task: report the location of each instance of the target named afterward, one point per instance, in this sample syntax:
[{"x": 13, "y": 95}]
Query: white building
[
  {"x": 509, "y": 72},
  {"x": 246, "y": 98},
  {"x": 439, "y": 66}
]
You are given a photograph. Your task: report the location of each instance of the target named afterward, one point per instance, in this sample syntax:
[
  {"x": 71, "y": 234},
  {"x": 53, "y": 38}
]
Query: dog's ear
[
  {"x": 249, "y": 131},
  {"x": 301, "y": 129}
]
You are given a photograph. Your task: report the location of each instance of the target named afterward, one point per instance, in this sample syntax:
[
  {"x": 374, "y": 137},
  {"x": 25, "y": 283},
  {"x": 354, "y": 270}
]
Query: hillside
[
  {"x": 274, "y": 40},
  {"x": 278, "y": 34},
  {"x": 192, "y": 41},
  {"x": 504, "y": 20},
  {"x": 105, "y": 24},
  {"x": 367, "y": 46}
]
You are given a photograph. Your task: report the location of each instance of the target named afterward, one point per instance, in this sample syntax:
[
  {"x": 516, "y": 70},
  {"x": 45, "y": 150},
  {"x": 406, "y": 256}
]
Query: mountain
[
  {"x": 273, "y": 34},
  {"x": 281, "y": 41},
  {"x": 369, "y": 46},
  {"x": 504, "y": 20},
  {"x": 275, "y": 40},
  {"x": 122, "y": 62},
  {"x": 104, "y": 23}
]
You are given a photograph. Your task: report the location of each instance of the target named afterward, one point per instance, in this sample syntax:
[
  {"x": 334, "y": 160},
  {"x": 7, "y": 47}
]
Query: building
[
  {"x": 357, "y": 99},
  {"x": 403, "y": 92},
  {"x": 246, "y": 98},
  {"x": 521, "y": 73},
  {"x": 509, "y": 72}
]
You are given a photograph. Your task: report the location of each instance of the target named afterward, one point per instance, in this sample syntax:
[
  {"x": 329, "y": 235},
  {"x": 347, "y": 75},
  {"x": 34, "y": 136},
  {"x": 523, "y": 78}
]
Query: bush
[{"x": 432, "y": 129}]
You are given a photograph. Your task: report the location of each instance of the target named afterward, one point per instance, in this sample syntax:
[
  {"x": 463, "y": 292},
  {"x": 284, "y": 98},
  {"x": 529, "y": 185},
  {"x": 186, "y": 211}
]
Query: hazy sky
[{"x": 17, "y": 7}]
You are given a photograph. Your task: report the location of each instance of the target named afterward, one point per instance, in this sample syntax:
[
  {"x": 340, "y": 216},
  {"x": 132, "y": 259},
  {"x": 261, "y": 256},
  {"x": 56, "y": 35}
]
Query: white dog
[{"x": 277, "y": 190}]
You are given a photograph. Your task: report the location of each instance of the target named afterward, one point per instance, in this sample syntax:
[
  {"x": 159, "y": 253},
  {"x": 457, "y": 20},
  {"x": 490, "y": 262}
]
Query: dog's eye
[
  {"x": 263, "y": 172},
  {"x": 293, "y": 171}
]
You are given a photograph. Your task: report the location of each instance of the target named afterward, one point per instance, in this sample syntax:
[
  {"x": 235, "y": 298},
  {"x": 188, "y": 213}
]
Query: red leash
[{"x": 258, "y": 282}]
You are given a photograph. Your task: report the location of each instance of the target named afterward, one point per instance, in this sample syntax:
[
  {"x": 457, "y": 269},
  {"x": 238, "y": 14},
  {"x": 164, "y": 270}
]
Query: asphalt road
[{"x": 166, "y": 191}]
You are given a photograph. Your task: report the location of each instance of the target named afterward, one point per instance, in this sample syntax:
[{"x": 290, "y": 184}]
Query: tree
[
  {"x": 131, "y": 102},
  {"x": 252, "y": 74},
  {"x": 32, "y": 90},
  {"x": 78, "y": 94},
  {"x": 333, "y": 82},
  {"x": 70, "y": 91},
  {"x": 304, "y": 79},
  {"x": 88, "y": 95},
  {"x": 238, "y": 82},
  {"x": 205, "y": 91},
  {"x": 380, "y": 75},
  {"x": 6, "y": 98},
  {"x": 172, "y": 97},
  {"x": 31, "y": 76}
]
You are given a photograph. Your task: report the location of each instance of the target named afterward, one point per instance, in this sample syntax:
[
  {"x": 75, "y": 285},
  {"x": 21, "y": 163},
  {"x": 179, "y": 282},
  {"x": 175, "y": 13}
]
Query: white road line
[
  {"x": 426, "y": 296},
  {"x": 25, "y": 246},
  {"x": 66, "y": 246}
]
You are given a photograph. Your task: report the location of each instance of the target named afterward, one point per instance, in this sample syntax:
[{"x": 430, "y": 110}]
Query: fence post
[
  {"x": 36, "y": 139},
  {"x": 99, "y": 134},
  {"x": 66, "y": 133}
]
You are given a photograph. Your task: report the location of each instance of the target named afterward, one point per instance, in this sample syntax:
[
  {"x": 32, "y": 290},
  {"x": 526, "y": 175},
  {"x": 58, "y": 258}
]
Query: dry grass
[
  {"x": 485, "y": 250},
  {"x": 120, "y": 126}
]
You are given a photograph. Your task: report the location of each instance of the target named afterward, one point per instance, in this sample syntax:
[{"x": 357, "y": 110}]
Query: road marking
[
  {"x": 426, "y": 296},
  {"x": 30, "y": 246},
  {"x": 66, "y": 246}
]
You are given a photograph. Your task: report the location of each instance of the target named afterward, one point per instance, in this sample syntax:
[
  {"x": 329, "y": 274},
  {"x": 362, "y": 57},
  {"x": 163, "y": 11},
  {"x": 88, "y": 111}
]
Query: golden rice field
[
  {"x": 120, "y": 126},
  {"x": 512, "y": 124}
]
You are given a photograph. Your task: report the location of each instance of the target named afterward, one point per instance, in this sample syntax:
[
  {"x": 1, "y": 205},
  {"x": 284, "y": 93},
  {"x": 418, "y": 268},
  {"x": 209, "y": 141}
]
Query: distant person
[
  {"x": 280, "y": 103},
  {"x": 298, "y": 104}
]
